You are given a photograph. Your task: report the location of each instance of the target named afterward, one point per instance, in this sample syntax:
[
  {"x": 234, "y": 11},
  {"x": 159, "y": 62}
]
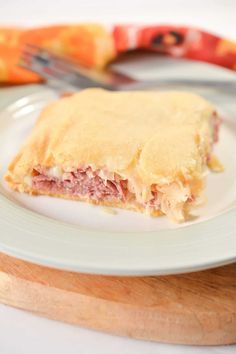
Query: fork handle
[{"x": 225, "y": 85}]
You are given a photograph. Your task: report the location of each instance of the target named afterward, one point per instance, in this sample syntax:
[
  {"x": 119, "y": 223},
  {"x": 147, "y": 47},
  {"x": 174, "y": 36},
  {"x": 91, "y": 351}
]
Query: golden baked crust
[{"x": 152, "y": 137}]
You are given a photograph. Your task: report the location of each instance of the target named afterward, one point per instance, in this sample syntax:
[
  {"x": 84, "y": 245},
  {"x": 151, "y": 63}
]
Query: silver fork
[{"x": 67, "y": 71}]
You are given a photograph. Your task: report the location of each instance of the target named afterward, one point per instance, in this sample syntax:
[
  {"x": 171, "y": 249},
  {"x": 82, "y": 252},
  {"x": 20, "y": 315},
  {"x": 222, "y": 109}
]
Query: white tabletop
[{"x": 24, "y": 333}]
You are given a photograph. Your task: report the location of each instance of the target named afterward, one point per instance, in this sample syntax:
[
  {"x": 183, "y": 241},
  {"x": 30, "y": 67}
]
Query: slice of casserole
[{"x": 145, "y": 151}]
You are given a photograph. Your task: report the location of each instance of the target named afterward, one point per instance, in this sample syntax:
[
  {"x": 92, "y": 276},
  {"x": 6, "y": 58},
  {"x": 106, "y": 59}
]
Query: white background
[
  {"x": 24, "y": 333},
  {"x": 214, "y": 15}
]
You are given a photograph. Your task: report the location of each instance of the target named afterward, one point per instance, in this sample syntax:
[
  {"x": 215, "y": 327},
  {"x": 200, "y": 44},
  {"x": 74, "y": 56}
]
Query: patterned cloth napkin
[{"x": 95, "y": 45}]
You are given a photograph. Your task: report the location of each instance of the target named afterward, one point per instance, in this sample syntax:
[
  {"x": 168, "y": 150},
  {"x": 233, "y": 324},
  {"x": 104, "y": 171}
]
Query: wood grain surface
[{"x": 196, "y": 308}]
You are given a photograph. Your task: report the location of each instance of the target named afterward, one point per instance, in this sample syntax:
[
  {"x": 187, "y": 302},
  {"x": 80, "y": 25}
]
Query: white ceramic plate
[{"x": 77, "y": 236}]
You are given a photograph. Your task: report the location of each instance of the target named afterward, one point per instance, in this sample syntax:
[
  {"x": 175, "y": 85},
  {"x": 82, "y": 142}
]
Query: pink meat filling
[
  {"x": 81, "y": 182},
  {"x": 216, "y": 121}
]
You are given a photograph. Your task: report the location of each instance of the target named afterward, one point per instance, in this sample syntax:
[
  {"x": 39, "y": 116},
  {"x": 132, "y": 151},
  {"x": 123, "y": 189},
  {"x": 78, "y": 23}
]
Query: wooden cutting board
[{"x": 197, "y": 308}]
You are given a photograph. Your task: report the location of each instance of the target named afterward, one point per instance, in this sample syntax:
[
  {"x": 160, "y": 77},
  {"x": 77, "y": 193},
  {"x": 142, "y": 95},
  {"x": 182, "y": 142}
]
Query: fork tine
[
  {"x": 60, "y": 63},
  {"x": 32, "y": 49},
  {"x": 51, "y": 66},
  {"x": 31, "y": 53}
]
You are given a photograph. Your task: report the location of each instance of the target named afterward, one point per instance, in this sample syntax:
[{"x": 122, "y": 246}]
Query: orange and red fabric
[{"x": 95, "y": 45}]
